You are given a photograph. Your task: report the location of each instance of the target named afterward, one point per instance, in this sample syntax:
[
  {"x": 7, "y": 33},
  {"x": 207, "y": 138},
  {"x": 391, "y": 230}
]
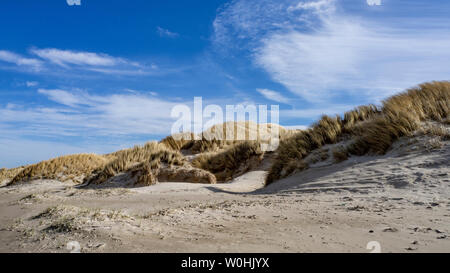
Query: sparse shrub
[{"x": 63, "y": 225}]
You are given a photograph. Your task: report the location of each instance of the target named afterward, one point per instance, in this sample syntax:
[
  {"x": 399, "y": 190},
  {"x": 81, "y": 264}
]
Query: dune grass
[
  {"x": 364, "y": 130},
  {"x": 9, "y": 174},
  {"x": 230, "y": 162},
  {"x": 63, "y": 168},
  {"x": 370, "y": 129},
  {"x": 223, "y": 136},
  {"x": 152, "y": 154}
]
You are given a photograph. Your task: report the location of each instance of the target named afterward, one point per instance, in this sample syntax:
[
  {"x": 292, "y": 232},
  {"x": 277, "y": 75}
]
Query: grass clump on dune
[
  {"x": 152, "y": 154},
  {"x": 70, "y": 167},
  {"x": 8, "y": 174},
  {"x": 370, "y": 130},
  {"x": 178, "y": 142},
  {"x": 234, "y": 160}
]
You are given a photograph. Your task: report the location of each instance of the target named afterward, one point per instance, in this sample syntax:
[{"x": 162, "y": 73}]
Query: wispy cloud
[
  {"x": 53, "y": 60},
  {"x": 166, "y": 33},
  {"x": 320, "y": 6},
  {"x": 273, "y": 95},
  {"x": 373, "y": 2},
  {"x": 11, "y": 57},
  {"x": 69, "y": 57},
  {"x": 65, "y": 57},
  {"x": 321, "y": 52},
  {"x": 81, "y": 114},
  {"x": 64, "y": 97},
  {"x": 31, "y": 83}
]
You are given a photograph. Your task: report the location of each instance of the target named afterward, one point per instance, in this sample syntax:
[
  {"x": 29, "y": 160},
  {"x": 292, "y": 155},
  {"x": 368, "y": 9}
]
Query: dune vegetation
[
  {"x": 8, "y": 174},
  {"x": 213, "y": 140},
  {"x": 150, "y": 156},
  {"x": 208, "y": 158},
  {"x": 368, "y": 129},
  {"x": 233, "y": 161},
  {"x": 70, "y": 167}
]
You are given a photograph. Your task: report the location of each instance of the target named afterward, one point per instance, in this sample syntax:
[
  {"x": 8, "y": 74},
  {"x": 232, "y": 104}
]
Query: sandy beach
[{"x": 400, "y": 200}]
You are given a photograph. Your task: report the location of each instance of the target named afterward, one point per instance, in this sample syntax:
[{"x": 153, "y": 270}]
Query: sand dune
[
  {"x": 378, "y": 175},
  {"x": 400, "y": 199}
]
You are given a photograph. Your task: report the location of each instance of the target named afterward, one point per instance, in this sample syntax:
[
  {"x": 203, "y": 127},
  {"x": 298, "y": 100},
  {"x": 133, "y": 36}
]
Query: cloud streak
[
  {"x": 52, "y": 59},
  {"x": 273, "y": 95},
  {"x": 81, "y": 114},
  {"x": 166, "y": 33},
  {"x": 66, "y": 57},
  {"x": 11, "y": 57},
  {"x": 323, "y": 53}
]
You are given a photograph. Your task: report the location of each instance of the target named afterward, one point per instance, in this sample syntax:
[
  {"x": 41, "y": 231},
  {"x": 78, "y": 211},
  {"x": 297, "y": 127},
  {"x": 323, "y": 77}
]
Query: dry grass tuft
[
  {"x": 231, "y": 162},
  {"x": 359, "y": 114},
  {"x": 152, "y": 154},
  {"x": 145, "y": 174},
  {"x": 340, "y": 154},
  {"x": 371, "y": 130},
  {"x": 8, "y": 174},
  {"x": 179, "y": 141},
  {"x": 435, "y": 130},
  {"x": 70, "y": 167}
]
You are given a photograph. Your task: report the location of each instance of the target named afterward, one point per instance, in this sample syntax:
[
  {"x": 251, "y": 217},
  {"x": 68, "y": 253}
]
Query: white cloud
[
  {"x": 320, "y": 6},
  {"x": 82, "y": 114},
  {"x": 348, "y": 55},
  {"x": 374, "y": 2},
  {"x": 65, "y": 57},
  {"x": 52, "y": 60},
  {"x": 273, "y": 95},
  {"x": 123, "y": 71},
  {"x": 11, "y": 57},
  {"x": 321, "y": 53},
  {"x": 62, "y": 97},
  {"x": 31, "y": 83},
  {"x": 241, "y": 23},
  {"x": 166, "y": 33}
]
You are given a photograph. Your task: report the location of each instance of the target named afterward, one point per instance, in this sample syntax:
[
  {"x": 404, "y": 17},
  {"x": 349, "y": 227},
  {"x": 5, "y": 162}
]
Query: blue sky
[{"x": 104, "y": 75}]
